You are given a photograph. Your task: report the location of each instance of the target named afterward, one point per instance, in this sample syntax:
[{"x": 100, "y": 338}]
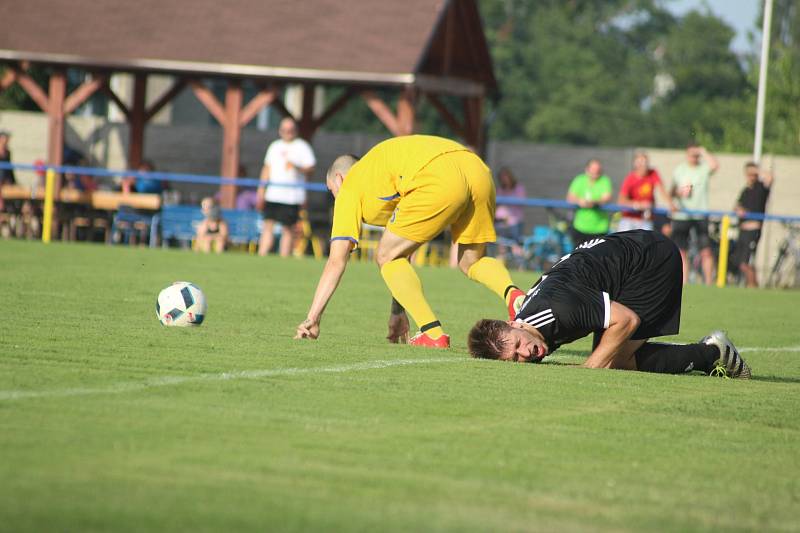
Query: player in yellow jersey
[{"x": 416, "y": 186}]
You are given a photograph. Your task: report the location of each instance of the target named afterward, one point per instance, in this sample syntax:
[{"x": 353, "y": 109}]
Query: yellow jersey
[{"x": 376, "y": 183}]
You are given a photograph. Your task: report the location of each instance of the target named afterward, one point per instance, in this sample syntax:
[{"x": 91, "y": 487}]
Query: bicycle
[{"x": 785, "y": 271}]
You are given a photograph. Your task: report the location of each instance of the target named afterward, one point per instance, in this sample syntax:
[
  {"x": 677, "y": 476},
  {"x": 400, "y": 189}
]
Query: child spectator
[{"x": 213, "y": 230}]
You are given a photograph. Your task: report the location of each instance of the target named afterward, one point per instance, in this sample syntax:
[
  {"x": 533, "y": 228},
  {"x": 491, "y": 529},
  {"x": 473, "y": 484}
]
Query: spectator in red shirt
[{"x": 638, "y": 192}]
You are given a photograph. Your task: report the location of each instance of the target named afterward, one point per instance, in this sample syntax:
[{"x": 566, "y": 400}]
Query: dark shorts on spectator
[
  {"x": 286, "y": 214},
  {"x": 682, "y": 229}
]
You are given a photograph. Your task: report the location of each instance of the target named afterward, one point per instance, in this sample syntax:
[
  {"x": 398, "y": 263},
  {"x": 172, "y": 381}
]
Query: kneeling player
[
  {"x": 625, "y": 288},
  {"x": 416, "y": 186}
]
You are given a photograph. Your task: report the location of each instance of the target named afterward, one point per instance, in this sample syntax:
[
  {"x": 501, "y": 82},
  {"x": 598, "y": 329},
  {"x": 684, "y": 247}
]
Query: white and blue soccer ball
[{"x": 181, "y": 304}]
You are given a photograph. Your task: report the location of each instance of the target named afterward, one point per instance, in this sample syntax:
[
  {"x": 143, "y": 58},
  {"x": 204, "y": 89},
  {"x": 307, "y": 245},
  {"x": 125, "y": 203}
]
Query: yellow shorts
[{"x": 454, "y": 190}]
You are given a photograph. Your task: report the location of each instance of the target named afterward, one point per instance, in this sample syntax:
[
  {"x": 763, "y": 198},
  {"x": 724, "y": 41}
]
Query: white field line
[{"x": 164, "y": 381}]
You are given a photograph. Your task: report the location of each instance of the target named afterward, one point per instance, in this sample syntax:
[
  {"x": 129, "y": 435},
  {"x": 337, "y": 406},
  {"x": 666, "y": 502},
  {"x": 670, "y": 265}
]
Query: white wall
[{"x": 545, "y": 169}]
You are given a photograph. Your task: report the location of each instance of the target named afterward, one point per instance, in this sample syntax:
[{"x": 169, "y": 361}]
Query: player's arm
[
  {"x": 264, "y": 178},
  {"x": 613, "y": 349},
  {"x": 331, "y": 275}
]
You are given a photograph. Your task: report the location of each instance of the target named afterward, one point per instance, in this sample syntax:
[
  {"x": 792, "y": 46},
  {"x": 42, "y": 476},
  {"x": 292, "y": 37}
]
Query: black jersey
[
  {"x": 639, "y": 269},
  {"x": 754, "y": 199}
]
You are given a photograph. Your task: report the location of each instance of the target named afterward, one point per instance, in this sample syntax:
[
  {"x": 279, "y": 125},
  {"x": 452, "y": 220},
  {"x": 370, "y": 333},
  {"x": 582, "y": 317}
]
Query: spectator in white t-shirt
[{"x": 288, "y": 160}]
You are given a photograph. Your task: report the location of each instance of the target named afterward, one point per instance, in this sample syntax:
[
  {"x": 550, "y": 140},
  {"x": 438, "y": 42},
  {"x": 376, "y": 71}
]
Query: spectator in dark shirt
[
  {"x": 753, "y": 199},
  {"x": 6, "y": 174}
]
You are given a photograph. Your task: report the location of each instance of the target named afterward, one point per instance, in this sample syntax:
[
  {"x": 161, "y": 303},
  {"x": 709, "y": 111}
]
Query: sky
[{"x": 741, "y": 15}]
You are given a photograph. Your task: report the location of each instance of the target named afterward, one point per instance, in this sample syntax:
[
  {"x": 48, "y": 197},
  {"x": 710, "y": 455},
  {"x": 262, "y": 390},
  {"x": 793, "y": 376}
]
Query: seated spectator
[
  {"x": 140, "y": 184},
  {"x": 7, "y": 176},
  {"x": 753, "y": 199},
  {"x": 247, "y": 199},
  {"x": 213, "y": 230},
  {"x": 79, "y": 181},
  {"x": 150, "y": 186},
  {"x": 589, "y": 191},
  {"x": 510, "y": 218},
  {"x": 638, "y": 191}
]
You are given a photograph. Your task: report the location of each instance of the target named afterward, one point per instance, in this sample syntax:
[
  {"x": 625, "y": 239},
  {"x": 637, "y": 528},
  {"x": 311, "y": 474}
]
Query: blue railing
[{"x": 320, "y": 187}]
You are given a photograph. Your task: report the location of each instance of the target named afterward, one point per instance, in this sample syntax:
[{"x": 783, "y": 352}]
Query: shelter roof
[{"x": 368, "y": 41}]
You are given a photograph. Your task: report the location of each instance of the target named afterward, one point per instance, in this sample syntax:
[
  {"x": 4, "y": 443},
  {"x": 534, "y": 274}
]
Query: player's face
[{"x": 523, "y": 344}]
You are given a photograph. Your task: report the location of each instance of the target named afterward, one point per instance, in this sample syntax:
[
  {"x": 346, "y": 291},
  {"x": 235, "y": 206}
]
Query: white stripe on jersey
[
  {"x": 542, "y": 324},
  {"x": 606, "y": 310},
  {"x": 539, "y": 314},
  {"x": 540, "y": 318}
]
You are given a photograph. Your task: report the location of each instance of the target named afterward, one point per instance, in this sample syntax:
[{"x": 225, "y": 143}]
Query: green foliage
[
  {"x": 120, "y": 424},
  {"x": 15, "y": 98}
]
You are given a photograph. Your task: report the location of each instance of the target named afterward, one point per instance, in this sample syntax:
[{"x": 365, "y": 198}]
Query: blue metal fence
[{"x": 320, "y": 187}]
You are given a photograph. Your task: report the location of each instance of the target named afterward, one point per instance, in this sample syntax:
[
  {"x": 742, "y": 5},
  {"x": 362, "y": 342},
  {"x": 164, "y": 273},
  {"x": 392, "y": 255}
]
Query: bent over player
[
  {"x": 416, "y": 186},
  {"x": 625, "y": 288}
]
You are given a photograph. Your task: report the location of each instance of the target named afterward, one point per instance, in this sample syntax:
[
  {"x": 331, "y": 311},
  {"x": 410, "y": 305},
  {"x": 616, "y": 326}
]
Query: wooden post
[
  {"x": 55, "y": 134},
  {"x": 137, "y": 121},
  {"x": 306, "y": 126},
  {"x": 231, "y": 141},
  {"x": 473, "y": 122},
  {"x": 406, "y": 110}
]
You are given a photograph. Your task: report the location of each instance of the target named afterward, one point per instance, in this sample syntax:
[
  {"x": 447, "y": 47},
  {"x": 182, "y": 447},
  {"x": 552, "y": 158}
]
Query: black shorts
[
  {"x": 746, "y": 246},
  {"x": 286, "y": 214},
  {"x": 654, "y": 292},
  {"x": 681, "y": 230}
]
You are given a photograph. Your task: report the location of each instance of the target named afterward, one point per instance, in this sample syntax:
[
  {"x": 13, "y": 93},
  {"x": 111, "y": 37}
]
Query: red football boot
[
  {"x": 422, "y": 339},
  {"x": 516, "y": 297}
]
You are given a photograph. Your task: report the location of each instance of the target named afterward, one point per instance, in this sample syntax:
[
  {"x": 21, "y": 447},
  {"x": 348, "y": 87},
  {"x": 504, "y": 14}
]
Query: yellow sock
[
  {"x": 406, "y": 288},
  {"x": 491, "y": 273}
]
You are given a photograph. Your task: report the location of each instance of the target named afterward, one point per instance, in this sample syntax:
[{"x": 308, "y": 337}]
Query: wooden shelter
[{"x": 418, "y": 48}]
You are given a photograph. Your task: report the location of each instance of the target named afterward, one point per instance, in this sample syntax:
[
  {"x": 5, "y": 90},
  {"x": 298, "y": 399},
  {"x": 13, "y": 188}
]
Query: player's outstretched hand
[
  {"x": 307, "y": 329},
  {"x": 398, "y": 328}
]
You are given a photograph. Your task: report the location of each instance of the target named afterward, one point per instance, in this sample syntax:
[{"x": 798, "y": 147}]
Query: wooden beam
[
  {"x": 165, "y": 98},
  {"x": 382, "y": 111},
  {"x": 406, "y": 110},
  {"x": 83, "y": 92},
  {"x": 457, "y": 127},
  {"x": 281, "y": 108},
  {"x": 116, "y": 99},
  {"x": 232, "y": 131},
  {"x": 306, "y": 125},
  {"x": 264, "y": 98},
  {"x": 137, "y": 120},
  {"x": 30, "y": 86},
  {"x": 208, "y": 99},
  {"x": 449, "y": 37},
  {"x": 335, "y": 107}
]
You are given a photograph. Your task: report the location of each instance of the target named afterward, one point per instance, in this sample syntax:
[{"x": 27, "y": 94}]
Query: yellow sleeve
[{"x": 347, "y": 216}]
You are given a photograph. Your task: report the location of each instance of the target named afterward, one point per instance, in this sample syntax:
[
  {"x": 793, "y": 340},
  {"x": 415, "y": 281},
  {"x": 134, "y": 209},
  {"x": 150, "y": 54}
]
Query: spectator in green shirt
[{"x": 589, "y": 191}]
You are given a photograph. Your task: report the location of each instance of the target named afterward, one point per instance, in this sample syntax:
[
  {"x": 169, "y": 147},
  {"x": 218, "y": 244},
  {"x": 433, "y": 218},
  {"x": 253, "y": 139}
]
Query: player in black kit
[{"x": 625, "y": 288}]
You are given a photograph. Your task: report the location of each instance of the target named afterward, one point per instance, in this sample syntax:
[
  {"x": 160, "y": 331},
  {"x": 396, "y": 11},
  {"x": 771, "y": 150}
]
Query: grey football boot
[{"x": 730, "y": 364}]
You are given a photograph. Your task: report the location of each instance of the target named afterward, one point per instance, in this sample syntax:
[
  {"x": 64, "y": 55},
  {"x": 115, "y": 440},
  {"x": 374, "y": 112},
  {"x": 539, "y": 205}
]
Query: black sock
[{"x": 666, "y": 358}]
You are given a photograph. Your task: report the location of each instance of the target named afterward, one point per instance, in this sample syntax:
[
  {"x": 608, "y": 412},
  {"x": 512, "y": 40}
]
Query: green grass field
[{"x": 109, "y": 421}]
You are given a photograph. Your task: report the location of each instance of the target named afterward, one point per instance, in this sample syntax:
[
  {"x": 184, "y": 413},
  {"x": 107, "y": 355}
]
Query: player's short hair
[
  {"x": 750, "y": 164},
  {"x": 692, "y": 144},
  {"x": 341, "y": 165},
  {"x": 485, "y": 339}
]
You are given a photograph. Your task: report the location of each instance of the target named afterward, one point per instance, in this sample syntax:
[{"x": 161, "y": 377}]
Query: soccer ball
[{"x": 181, "y": 304}]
